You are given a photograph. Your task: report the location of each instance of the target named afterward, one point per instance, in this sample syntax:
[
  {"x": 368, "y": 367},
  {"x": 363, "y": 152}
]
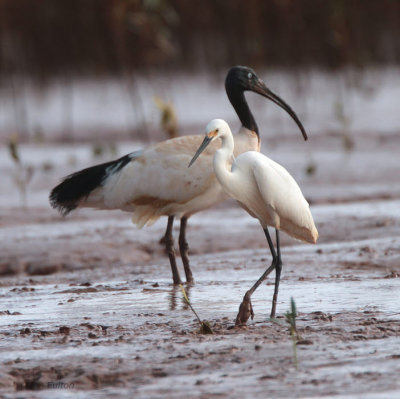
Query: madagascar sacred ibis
[
  {"x": 156, "y": 182},
  {"x": 267, "y": 192}
]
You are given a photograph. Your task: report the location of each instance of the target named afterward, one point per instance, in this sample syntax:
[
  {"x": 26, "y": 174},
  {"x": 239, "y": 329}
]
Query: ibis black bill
[
  {"x": 202, "y": 147},
  {"x": 262, "y": 89}
]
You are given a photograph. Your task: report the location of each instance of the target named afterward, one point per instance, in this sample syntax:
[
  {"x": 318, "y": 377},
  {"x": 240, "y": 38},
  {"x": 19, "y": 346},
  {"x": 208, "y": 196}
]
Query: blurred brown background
[
  {"x": 47, "y": 38},
  {"x": 74, "y": 66}
]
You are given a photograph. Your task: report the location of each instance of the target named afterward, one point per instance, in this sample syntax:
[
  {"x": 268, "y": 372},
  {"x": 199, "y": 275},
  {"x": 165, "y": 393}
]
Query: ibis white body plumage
[{"x": 156, "y": 182}]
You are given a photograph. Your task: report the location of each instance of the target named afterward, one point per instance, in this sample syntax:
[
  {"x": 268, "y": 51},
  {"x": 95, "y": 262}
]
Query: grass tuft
[
  {"x": 205, "y": 327},
  {"x": 290, "y": 318}
]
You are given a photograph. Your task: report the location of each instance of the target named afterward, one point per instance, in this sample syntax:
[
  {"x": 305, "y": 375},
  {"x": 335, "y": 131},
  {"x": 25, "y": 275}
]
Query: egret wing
[{"x": 289, "y": 210}]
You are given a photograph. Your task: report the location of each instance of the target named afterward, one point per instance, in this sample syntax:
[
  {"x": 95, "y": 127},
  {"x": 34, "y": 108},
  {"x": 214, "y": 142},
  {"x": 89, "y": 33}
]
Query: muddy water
[
  {"x": 48, "y": 306},
  {"x": 132, "y": 332},
  {"x": 87, "y": 301}
]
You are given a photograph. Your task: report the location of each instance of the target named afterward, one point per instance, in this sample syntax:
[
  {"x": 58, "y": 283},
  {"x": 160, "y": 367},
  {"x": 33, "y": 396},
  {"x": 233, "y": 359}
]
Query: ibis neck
[{"x": 242, "y": 109}]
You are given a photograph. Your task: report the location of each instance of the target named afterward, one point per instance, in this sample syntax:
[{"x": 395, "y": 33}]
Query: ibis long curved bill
[{"x": 260, "y": 88}]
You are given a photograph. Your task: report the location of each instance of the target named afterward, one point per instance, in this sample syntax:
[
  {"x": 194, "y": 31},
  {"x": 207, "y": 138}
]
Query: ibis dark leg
[
  {"x": 169, "y": 245},
  {"x": 184, "y": 248},
  {"x": 246, "y": 308},
  {"x": 278, "y": 269}
]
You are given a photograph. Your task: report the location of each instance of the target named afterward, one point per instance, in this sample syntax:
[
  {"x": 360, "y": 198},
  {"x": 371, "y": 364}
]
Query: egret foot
[{"x": 245, "y": 311}]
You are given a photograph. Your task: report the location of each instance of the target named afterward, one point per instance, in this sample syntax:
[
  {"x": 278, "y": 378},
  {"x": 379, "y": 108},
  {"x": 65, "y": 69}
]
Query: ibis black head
[{"x": 242, "y": 78}]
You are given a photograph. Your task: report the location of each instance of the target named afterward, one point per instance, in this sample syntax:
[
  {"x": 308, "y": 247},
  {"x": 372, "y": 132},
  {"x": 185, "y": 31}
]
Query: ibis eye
[{"x": 250, "y": 75}]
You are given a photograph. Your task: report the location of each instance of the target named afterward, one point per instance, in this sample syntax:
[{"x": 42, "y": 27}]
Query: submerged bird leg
[
  {"x": 278, "y": 269},
  {"x": 169, "y": 245},
  {"x": 184, "y": 248},
  {"x": 246, "y": 308}
]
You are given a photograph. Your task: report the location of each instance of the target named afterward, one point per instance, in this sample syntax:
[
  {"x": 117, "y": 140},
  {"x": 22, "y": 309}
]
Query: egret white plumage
[
  {"x": 267, "y": 192},
  {"x": 155, "y": 182}
]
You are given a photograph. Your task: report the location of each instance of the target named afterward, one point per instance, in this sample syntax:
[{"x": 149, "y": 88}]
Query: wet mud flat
[
  {"x": 126, "y": 330},
  {"x": 87, "y": 307}
]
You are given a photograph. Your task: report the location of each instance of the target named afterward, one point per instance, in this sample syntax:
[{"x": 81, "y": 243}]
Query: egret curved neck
[{"x": 223, "y": 158}]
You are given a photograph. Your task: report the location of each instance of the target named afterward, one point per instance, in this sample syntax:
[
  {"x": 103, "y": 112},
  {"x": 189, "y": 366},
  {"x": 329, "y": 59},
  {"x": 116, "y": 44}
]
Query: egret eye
[{"x": 250, "y": 75}]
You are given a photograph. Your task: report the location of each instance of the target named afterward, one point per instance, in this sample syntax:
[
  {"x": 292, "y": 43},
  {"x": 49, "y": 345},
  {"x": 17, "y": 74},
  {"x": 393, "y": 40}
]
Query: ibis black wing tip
[{"x": 64, "y": 207}]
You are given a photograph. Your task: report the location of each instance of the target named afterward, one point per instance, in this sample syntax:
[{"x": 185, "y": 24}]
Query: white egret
[
  {"x": 155, "y": 182},
  {"x": 267, "y": 192}
]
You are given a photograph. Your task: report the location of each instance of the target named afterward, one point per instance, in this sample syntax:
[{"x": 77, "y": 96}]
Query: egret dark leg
[
  {"x": 246, "y": 308},
  {"x": 169, "y": 245},
  {"x": 278, "y": 269},
  {"x": 184, "y": 248}
]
